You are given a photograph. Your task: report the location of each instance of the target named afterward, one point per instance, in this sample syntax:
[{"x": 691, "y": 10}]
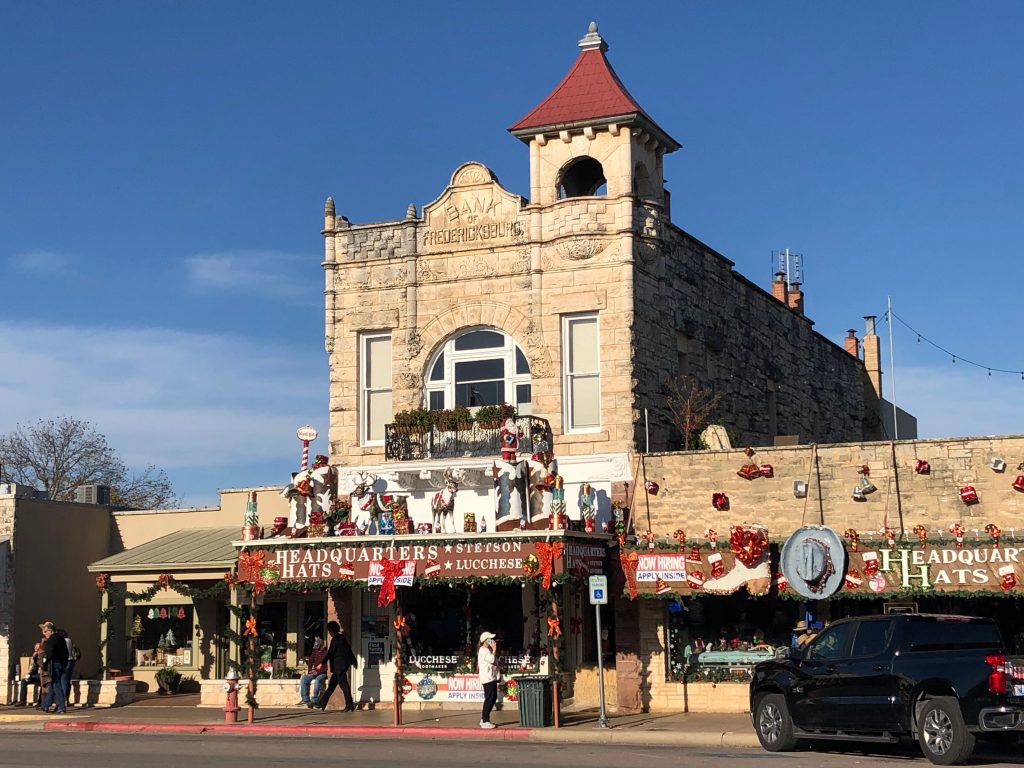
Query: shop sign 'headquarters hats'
[{"x": 813, "y": 561}]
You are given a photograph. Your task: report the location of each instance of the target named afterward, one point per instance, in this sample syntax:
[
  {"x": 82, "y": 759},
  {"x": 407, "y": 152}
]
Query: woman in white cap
[{"x": 487, "y": 671}]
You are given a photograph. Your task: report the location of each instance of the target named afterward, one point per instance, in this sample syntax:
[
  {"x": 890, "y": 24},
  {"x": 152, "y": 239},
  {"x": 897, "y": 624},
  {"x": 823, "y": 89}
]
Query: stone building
[{"x": 592, "y": 299}]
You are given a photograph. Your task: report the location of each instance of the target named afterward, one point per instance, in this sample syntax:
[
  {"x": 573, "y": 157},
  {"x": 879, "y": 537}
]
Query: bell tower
[{"x": 591, "y": 137}]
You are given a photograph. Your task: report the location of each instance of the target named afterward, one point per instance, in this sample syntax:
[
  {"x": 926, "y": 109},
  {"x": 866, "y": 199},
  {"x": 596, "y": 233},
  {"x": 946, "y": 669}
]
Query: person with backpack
[
  {"x": 55, "y": 659},
  {"x": 74, "y": 654}
]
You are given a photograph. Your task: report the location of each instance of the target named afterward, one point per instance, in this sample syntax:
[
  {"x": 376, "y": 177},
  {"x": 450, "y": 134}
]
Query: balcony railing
[{"x": 411, "y": 443}]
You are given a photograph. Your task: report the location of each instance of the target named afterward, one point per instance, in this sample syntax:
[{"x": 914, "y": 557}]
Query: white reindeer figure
[
  {"x": 443, "y": 504},
  {"x": 364, "y": 504}
]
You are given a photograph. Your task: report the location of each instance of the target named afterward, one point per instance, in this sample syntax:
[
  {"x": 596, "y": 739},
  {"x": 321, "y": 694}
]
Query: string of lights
[{"x": 956, "y": 358}]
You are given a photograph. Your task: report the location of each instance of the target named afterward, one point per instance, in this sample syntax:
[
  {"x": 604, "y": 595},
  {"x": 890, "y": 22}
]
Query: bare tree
[
  {"x": 58, "y": 455},
  {"x": 691, "y": 405}
]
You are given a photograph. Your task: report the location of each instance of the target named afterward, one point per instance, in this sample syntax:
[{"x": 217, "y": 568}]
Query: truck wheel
[
  {"x": 773, "y": 724},
  {"x": 942, "y": 733}
]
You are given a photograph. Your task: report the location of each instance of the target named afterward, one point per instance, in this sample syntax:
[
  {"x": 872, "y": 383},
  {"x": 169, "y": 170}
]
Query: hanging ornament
[
  {"x": 767, "y": 470},
  {"x": 870, "y": 563},
  {"x": 152, "y": 614},
  {"x": 163, "y": 613},
  {"x": 1018, "y": 484},
  {"x": 660, "y": 587},
  {"x": 136, "y": 629},
  {"x": 250, "y": 627},
  {"x": 749, "y": 471},
  {"x": 651, "y": 487},
  {"x": 889, "y": 535},
  {"x": 693, "y": 556},
  {"x": 432, "y": 569},
  {"x": 720, "y": 501},
  {"x": 530, "y": 565},
  {"x": 994, "y": 531},
  {"x": 864, "y": 484},
  {"x": 922, "y": 535},
  {"x": 922, "y": 467},
  {"x": 748, "y": 544},
  {"x": 958, "y": 531},
  {"x": 181, "y": 613},
  {"x": 103, "y": 582},
  {"x": 968, "y": 495},
  {"x": 853, "y": 537},
  {"x": 712, "y": 536},
  {"x": 346, "y": 571}
]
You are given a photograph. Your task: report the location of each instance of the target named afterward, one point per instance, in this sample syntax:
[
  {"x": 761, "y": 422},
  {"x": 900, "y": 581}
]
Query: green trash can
[{"x": 535, "y": 701}]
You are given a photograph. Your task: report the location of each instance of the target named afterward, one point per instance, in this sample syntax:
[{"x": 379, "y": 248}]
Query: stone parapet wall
[{"x": 688, "y": 479}]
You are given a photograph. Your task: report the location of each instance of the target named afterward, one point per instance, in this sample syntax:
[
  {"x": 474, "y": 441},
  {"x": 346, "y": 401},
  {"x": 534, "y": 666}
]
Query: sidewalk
[{"x": 668, "y": 729}]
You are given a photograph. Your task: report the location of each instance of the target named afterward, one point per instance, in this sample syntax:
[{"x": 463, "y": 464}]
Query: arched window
[
  {"x": 583, "y": 178},
  {"x": 481, "y": 366}
]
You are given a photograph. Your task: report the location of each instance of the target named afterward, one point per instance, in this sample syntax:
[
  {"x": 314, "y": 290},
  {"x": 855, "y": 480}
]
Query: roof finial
[
  {"x": 592, "y": 41},
  {"x": 329, "y": 207}
]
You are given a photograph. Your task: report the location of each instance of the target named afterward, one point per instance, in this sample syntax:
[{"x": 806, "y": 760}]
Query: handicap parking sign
[{"x": 599, "y": 590}]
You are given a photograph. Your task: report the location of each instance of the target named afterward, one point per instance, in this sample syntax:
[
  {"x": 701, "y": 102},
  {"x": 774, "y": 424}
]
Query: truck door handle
[
  {"x": 830, "y": 668},
  {"x": 879, "y": 667}
]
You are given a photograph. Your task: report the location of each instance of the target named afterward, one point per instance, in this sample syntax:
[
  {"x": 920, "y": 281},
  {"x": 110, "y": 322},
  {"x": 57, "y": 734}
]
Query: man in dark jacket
[
  {"x": 55, "y": 651},
  {"x": 341, "y": 658}
]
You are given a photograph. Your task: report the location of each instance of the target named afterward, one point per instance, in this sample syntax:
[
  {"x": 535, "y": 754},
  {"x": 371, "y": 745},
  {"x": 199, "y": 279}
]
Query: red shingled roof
[{"x": 591, "y": 89}]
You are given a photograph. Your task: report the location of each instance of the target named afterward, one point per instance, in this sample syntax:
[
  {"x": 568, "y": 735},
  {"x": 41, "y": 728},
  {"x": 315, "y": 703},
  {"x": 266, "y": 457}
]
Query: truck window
[
  {"x": 950, "y": 635},
  {"x": 830, "y": 644},
  {"x": 872, "y": 638}
]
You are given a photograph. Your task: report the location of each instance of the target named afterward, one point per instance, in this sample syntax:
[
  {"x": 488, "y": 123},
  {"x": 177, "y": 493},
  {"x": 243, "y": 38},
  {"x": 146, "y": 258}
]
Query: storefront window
[
  {"x": 444, "y": 625},
  {"x": 273, "y": 636},
  {"x": 313, "y": 626},
  {"x": 161, "y": 635}
]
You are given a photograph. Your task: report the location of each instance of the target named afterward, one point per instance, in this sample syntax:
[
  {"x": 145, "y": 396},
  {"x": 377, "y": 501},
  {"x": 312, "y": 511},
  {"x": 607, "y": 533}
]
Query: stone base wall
[{"x": 587, "y": 692}]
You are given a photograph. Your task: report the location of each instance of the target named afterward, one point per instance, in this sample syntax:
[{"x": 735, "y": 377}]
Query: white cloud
[
  {"x": 42, "y": 263},
  {"x": 263, "y": 273},
  {"x": 186, "y": 402}
]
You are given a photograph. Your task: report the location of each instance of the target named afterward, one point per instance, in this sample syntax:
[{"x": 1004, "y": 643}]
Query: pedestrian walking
[
  {"x": 55, "y": 652},
  {"x": 341, "y": 659},
  {"x": 487, "y": 672}
]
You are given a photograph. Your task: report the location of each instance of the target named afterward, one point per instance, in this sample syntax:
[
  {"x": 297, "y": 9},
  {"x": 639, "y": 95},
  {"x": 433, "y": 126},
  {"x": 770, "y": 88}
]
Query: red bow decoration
[
  {"x": 748, "y": 544},
  {"x": 165, "y": 580},
  {"x": 389, "y": 569},
  {"x": 103, "y": 582},
  {"x": 250, "y": 564},
  {"x": 229, "y": 578},
  {"x": 548, "y": 553},
  {"x": 630, "y": 561},
  {"x": 250, "y": 627},
  {"x": 554, "y": 627}
]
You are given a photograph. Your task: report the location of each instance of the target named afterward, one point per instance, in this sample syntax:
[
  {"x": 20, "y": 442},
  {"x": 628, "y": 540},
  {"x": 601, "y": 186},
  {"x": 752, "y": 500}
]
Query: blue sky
[{"x": 163, "y": 168}]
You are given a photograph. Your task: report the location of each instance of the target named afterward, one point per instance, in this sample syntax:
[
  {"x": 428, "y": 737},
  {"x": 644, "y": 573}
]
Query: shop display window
[
  {"x": 313, "y": 626},
  {"x": 273, "y": 636},
  {"x": 161, "y": 635}
]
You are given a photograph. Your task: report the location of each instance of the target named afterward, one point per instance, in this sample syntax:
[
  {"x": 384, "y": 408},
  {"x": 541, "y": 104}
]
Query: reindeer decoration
[
  {"x": 443, "y": 504},
  {"x": 364, "y": 503}
]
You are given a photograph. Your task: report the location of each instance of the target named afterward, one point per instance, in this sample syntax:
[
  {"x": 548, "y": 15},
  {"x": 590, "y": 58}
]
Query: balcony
[{"x": 474, "y": 439}]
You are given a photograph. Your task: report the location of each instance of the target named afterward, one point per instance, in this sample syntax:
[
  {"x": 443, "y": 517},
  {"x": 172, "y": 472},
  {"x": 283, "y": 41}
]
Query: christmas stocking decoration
[
  {"x": 717, "y": 566},
  {"x": 870, "y": 563},
  {"x": 1007, "y": 577}
]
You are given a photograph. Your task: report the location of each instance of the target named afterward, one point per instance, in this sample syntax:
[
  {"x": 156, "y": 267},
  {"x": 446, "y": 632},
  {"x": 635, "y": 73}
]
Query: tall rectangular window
[
  {"x": 375, "y": 386},
  {"x": 582, "y": 372}
]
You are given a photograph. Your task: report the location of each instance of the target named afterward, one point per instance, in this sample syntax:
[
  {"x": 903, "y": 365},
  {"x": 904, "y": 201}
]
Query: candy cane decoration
[
  {"x": 307, "y": 435},
  {"x": 922, "y": 535},
  {"x": 958, "y": 531},
  {"x": 994, "y": 531},
  {"x": 854, "y": 538}
]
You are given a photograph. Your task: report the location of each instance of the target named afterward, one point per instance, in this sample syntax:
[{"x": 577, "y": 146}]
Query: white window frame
[
  {"x": 365, "y": 390},
  {"x": 452, "y": 356},
  {"x": 568, "y": 375}
]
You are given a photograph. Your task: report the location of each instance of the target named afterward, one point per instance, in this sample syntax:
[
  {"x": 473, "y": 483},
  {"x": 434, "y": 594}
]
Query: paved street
[{"x": 42, "y": 750}]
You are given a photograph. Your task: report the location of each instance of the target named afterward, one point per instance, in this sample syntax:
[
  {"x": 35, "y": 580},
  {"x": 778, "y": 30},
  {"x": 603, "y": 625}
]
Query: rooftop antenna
[{"x": 790, "y": 265}]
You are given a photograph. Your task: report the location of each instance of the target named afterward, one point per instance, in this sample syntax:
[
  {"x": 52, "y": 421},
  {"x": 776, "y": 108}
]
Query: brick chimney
[
  {"x": 852, "y": 343},
  {"x": 795, "y": 300},
  {"x": 873, "y": 354},
  {"x": 779, "y": 288}
]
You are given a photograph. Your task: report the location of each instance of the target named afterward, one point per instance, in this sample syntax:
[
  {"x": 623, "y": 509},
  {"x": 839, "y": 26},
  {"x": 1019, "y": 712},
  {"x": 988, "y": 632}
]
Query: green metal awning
[{"x": 187, "y": 549}]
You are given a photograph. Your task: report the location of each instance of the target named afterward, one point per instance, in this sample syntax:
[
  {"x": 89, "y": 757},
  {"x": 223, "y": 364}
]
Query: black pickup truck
[{"x": 941, "y": 679}]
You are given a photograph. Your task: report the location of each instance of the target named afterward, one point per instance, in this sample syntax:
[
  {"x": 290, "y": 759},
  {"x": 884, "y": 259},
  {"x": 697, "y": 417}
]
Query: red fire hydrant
[{"x": 231, "y": 701}]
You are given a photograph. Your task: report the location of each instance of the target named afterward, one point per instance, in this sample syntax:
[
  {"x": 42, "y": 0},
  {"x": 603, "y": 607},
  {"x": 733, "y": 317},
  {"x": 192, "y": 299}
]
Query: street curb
[
  {"x": 500, "y": 734},
  {"x": 617, "y": 736}
]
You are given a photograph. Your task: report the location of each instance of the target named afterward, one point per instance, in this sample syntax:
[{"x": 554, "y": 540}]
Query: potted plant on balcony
[
  {"x": 492, "y": 416},
  {"x": 462, "y": 417},
  {"x": 414, "y": 422},
  {"x": 168, "y": 679}
]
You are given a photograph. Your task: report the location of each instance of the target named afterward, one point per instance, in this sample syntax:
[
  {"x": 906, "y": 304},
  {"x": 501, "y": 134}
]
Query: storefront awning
[{"x": 184, "y": 550}]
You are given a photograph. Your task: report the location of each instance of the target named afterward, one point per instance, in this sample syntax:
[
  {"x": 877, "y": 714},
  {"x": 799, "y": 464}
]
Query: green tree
[{"x": 58, "y": 455}]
